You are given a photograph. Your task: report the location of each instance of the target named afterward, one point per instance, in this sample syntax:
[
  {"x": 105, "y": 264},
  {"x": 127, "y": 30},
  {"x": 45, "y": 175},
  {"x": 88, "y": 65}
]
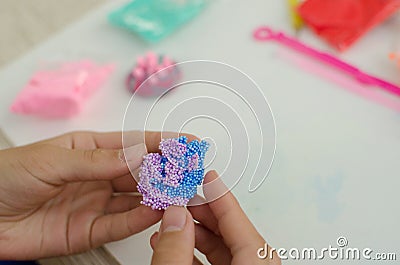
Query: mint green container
[{"x": 154, "y": 20}]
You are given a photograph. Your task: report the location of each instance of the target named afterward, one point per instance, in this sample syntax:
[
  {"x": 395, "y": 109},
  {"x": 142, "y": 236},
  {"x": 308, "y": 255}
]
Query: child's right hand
[{"x": 224, "y": 233}]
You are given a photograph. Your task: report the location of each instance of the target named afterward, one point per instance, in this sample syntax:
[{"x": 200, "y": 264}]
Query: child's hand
[
  {"x": 56, "y": 196},
  {"x": 224, "y": 233}
]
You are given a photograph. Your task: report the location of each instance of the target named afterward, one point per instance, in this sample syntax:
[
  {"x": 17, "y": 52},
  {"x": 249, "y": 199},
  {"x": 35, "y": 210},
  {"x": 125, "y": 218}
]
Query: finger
[
  {"x": 113, "y": 140},
  {"x": 153, "y": 139},
  {"x": 95, "y": 164},
  {"x": 236, "y": 229},
  {"x": 196, "y": 261},
  {"x": 123, "y": 203},
  {"x": 124, "y": 183},
  {"x": 118, "y": 226},
  {"x": 176, "y": 239},
  {"x": 203, "y": 214},
  {"x": 212, "y": 246},
  {"x": 96, "y": 140},
  {"x": 154, "y": 240},
  {"x": 87, "y": 165},
  {"x": 153, "y": 243}
]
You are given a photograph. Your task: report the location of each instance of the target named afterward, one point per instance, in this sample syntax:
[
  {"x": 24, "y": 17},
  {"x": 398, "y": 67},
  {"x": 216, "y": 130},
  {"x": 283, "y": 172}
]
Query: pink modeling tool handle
[{"x": 266, "y": 34}]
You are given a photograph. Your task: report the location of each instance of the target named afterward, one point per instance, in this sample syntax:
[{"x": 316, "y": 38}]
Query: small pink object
[
  {"x": 395, "y": 57},
  {"x": 152, "y": 65},
  {"x": 60, "y": 93},
  {"x": 267, "y": 34}
]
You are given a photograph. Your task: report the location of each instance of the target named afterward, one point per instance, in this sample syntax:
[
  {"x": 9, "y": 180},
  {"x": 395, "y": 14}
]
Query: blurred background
[
  {"x": 338, "y": 138},
  {"x": 24, "y": 24}
]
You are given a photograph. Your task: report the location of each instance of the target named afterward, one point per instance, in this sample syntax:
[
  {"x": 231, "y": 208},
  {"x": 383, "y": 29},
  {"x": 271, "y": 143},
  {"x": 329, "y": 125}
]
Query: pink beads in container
[{"x": 160, "y": 70}]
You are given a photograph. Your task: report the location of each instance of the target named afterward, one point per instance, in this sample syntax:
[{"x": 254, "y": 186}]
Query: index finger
[
  {"x": 96, "y": 140},
  {"x": 153, "y": 139},
  {"x": 114, "y": 140}
]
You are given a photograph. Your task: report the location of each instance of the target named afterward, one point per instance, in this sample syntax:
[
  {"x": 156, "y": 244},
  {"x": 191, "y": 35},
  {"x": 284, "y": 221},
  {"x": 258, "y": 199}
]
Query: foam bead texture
[{"x": 172, "y": 177}]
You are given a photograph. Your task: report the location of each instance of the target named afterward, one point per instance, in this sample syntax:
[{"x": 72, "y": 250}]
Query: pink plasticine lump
[{"x": 61, "y": 93}]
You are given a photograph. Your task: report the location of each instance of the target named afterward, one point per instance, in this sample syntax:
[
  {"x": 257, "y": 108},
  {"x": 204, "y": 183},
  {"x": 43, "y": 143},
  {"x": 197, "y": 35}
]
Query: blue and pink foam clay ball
[{"x": 172, "y": 177}]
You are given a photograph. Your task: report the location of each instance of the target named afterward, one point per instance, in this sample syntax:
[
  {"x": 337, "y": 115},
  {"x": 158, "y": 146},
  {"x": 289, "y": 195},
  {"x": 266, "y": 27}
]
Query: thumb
[
  {"x": 96, "y": 164},
  {"x": 176, "y": 238}
]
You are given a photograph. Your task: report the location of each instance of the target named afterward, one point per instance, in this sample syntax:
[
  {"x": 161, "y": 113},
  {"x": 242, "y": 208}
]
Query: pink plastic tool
[
  {"x": 267, "y": 34},
  {"x": 344, "y": 81},
  {"x": 61, "y": 92}
]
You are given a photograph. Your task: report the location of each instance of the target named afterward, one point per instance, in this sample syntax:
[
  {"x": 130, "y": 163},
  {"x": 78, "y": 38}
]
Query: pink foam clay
[{"x": 61, "y": 93}]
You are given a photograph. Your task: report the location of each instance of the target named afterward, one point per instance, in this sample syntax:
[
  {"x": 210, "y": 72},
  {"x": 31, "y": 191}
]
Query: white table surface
[{"x": 336, "y": 171}]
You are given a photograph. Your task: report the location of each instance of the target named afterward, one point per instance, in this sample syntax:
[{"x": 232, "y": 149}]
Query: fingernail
[
  {"x": 174, "y": 219},
  {"x": 133, "y": 153}
]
